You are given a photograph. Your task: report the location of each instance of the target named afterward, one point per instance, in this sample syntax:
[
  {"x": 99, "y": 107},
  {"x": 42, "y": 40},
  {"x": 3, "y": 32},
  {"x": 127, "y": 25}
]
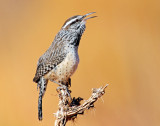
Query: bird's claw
[{"x": 64, "y": 87}]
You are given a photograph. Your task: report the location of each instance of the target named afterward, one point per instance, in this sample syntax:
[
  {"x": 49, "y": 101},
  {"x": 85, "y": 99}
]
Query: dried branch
[{"x": 70, "y": 108}]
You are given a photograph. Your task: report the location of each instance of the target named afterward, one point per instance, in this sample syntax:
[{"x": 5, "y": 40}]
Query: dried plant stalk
[{"x": 69, "y": 109}]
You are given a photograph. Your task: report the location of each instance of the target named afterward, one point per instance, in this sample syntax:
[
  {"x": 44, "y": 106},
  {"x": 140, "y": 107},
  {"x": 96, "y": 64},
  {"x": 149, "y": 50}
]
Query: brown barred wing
[{"x": 46, "y": 67}]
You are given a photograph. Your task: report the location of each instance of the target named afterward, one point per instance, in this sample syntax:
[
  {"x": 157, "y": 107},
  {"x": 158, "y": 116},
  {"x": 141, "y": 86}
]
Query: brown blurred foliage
[{"x": 120, "y": 47}]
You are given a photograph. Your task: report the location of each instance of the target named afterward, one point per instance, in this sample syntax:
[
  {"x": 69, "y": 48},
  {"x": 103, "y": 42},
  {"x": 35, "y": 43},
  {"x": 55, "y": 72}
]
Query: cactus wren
[{"x": 61, "y": 59}]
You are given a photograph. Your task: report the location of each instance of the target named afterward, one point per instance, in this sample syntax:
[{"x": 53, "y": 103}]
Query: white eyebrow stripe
[{"x": 69, "y": 22}]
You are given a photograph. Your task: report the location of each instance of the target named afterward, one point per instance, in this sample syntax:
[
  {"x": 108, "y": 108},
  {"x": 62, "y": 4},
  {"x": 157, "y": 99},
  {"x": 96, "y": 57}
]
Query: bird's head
[{"x": 77, "y": 23}]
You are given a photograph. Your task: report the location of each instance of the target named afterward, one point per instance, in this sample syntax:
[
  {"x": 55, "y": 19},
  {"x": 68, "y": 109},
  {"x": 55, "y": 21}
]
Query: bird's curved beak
[{"x": 84, "y": 19}]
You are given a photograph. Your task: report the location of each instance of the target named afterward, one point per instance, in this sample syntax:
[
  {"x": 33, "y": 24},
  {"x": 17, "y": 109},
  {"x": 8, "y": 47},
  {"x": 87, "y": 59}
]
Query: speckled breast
[{"x": 66, "y": 68}]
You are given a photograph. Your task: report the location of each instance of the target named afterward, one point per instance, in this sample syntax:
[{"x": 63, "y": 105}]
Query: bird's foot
[
  {"x": 64, "y": 87},
  {"x": 61, "y": 87}
]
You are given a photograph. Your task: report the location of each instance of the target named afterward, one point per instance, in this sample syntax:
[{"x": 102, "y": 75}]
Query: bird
[{"x": 61, "y": 59}]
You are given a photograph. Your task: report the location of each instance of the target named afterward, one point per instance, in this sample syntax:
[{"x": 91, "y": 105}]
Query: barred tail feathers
[{"x": 42, "y": 88}]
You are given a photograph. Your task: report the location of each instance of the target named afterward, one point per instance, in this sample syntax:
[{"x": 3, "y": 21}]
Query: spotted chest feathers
[{"x": 67, "y": 67}]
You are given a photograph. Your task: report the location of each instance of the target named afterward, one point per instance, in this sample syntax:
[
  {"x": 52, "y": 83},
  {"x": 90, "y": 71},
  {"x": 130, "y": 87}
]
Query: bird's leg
[
  {"x": 66, "y": 88},
  {"x": 62, "y": 86},
  {"x": 69, "y": 82}
]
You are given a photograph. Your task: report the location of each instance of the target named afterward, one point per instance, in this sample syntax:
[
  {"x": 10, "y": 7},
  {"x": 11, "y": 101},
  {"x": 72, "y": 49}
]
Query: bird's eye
[{"x": 74, "y": 22}]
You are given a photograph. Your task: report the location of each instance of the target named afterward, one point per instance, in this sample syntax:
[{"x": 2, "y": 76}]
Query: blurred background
[{"x": 120, "y": 47}]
